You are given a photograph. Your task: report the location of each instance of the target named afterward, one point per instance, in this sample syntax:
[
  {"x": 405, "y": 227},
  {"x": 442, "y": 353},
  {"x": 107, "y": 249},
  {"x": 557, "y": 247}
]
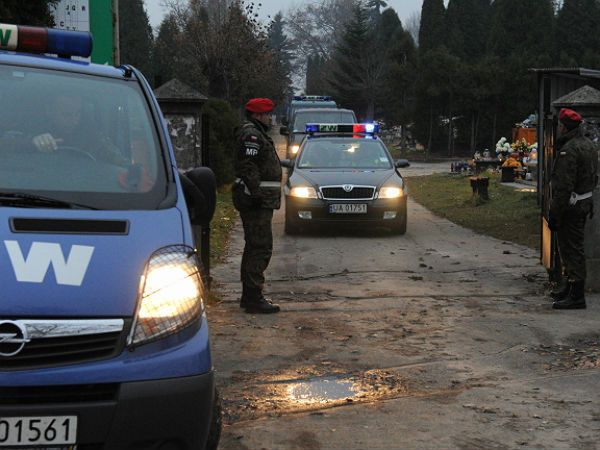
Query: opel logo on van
[
  {"x": 347, "y": 187},
  {"x": 13, "y": 337}
]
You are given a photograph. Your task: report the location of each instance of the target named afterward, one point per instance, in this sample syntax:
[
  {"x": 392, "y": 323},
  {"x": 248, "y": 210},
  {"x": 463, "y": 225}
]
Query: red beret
[
  {"x": 260, "y": 105},
  {"x": 569, "y": 115}
]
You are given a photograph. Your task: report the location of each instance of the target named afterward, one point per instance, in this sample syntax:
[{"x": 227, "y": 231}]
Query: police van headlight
[
  {"x": 170, "y": 297},
  {"x": 294, "y": 149}
]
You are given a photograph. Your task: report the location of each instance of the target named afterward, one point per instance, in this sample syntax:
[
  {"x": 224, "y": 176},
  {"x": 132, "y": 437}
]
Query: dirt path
[{"x": 437, "y": 339}]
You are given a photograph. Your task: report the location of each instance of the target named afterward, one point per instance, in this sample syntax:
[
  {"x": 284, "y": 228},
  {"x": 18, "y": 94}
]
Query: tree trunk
[
  {"x": 494, "y": 140},
  {"x": 430, "y": 139},
  {"x": 450, "y": 132},
  {"x": 473, "y": 133},
  {"x": 477, "y": 116},
  {"x": 370, "y": 110}
]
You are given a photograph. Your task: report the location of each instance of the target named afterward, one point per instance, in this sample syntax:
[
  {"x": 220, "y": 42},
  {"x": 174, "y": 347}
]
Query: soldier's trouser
[
  {"x": 259, "y": 246},
  {"x": 570, "y": 245}
]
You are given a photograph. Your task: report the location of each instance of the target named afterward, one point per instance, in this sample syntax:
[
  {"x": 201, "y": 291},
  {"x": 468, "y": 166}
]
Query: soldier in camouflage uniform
[
  {"x": 256, "y": 193},
  {"x": 573, "y": 180}
]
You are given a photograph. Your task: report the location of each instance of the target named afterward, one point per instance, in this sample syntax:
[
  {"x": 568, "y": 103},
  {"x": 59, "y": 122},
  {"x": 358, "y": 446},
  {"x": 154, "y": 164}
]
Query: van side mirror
[
  {"x": 200, "y": 191},
  {"x": 288, "y": 163},
  {"x": 402, "y": 163},
  {"x": 284, "y": 131}
]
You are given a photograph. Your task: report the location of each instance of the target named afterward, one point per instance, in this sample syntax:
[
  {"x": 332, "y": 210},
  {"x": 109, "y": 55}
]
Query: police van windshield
[
  {"x": 78, "y": 138},
  {"x": 333, "y": 116},
  {"x": 324, "y": 153}
]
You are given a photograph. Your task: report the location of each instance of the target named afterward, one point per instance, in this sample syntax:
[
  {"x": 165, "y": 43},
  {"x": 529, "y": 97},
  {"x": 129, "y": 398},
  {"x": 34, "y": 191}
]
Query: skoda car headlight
[
  {"x": 303, "y": 192},
  {"x": 390, "y": 192},
  {"x": 170, "y": 294}
]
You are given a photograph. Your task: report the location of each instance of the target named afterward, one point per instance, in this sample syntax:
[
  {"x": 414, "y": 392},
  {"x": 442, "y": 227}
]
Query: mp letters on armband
[{"x": 251, "y": 147}]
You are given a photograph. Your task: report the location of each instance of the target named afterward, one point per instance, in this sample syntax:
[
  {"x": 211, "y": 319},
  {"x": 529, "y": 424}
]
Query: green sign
[
  {"x": 102, "y": 28},
  {"x": 95, "y": 16}
]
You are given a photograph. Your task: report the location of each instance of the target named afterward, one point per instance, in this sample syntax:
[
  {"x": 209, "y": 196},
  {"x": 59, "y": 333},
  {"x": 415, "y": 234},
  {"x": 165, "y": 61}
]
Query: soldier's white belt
[
  {"x": 576, "y": 197},
  {"x": 263, "y": 184}
]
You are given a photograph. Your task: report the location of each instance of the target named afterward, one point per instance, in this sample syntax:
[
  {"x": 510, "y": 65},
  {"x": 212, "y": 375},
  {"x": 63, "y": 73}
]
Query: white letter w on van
[{"x": 33, "y": 269}]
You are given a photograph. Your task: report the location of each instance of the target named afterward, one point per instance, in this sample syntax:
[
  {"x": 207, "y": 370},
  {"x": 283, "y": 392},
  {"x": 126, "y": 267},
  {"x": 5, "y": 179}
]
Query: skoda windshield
[
  {"x": 344, "y": 153},
  {"x": 78, "y": 139}
]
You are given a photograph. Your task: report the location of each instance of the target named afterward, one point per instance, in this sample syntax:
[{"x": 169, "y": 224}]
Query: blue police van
[{"x": 104, "y": 340}]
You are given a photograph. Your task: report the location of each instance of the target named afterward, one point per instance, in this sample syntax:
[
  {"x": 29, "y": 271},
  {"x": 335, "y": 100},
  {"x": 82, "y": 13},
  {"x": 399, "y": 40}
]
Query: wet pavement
[{"x": 441, "y": 338}]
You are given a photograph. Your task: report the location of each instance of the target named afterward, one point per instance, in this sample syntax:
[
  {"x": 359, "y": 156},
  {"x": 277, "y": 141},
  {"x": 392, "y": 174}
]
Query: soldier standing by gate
[
  {"x": 256, "y": 193},
  {"x": 574, "y": 177}
]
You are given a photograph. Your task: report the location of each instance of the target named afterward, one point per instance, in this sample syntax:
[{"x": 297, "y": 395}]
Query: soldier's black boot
[
  {"x": 258, "y": 304},
  {"x": 575, "y": 299},
  {"x": 245, "y": 298},
  {"x": 561, "y": 290}
]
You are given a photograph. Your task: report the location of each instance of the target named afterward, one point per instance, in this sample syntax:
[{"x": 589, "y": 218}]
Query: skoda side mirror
[
  {"x": 288, "y": 163},
  {"x": 402, "y": 163}
]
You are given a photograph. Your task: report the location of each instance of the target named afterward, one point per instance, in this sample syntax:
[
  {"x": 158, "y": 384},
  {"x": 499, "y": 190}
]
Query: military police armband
[{"x": 251, "y": 146}]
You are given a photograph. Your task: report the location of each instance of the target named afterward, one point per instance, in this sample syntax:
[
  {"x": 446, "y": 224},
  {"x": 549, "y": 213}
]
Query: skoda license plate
[
  {"x": 348, "y": 208},
  {"x": 27, "y": 432}
]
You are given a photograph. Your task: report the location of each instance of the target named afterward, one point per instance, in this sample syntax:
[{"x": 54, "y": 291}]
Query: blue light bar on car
[
  {"x": 26, "y": 39},
  {"x": 366, "y": 128}
]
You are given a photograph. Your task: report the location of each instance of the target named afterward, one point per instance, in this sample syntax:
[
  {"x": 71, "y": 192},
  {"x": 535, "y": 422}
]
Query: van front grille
[{"x": 62, "y": 342}]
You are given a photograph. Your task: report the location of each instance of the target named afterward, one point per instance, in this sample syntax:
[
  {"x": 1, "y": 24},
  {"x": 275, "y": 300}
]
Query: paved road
[{"x": 441, "y": 338}]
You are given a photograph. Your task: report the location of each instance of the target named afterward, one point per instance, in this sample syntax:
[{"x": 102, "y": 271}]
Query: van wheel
[{"x": 216, "y": 424}]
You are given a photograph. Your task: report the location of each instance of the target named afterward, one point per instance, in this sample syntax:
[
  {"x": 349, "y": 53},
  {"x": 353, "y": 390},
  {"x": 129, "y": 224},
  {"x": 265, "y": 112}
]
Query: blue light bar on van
[
  {"x": 322, "y": 98},
  {"x": 26, "y": 39},
  {"x": 367, "y": 128}
]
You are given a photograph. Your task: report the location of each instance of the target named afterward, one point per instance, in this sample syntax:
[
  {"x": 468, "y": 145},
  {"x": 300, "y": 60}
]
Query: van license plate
[
  {"x": 348, "y": 208},
  {"x": 37, "y": 431}
]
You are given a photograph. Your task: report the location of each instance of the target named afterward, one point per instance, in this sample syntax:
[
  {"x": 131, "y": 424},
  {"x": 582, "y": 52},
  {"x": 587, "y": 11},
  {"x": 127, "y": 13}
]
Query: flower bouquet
[
  {"x": 503, "y": 148},
  {"x": 521, "y": 146}
]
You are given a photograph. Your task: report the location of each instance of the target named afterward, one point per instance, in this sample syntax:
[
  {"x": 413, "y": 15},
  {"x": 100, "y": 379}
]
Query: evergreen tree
[
  {"x": 521, "y": 37},
  {"x": 523, "y": 27},
  {"x": 396, "y": 102},
  {"x": 468, "y": 24},
  {"x": 317, "y": 70},
  {"x": 432, "y": 33},
  {"x": 135, "y": 36},
  {"x": 578, "y": 33},
  {"x": 359, "y": 66},
  {"x": 30, "y": 12},
  {"x": 281, "y": 48},
  {"x": 165, "y": 51}
]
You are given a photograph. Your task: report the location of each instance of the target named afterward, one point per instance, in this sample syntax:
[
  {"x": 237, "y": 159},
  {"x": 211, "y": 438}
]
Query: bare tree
[
  {"x": 225, "y": 47},
  {"x": 412, "y": 25},
  {"x": 314, "y": 28}
]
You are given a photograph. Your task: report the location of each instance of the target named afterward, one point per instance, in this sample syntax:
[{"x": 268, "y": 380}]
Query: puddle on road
[
  {"x": 282, "y": 393},
  {"x": 322, "y": 391}
]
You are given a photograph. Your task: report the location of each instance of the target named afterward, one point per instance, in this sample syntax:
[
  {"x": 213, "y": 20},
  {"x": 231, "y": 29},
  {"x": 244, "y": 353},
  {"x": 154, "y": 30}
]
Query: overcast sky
[{"x": 404, "y": 8}]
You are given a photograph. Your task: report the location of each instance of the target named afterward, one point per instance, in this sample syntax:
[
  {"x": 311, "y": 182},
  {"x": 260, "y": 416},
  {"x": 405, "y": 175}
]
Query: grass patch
[
  {"x": 509, "y": 214},
  {"x": 221, "y": 225},
  {"x": 220, "y": 230}
]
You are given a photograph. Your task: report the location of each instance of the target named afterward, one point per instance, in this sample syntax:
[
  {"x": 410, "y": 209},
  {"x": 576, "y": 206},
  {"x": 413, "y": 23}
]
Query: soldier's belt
[
  {"x": 576, "y": 197},
  {"x": 263, "y": 184}
]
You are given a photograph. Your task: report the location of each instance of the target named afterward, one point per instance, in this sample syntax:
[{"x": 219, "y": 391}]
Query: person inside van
[{"x": 63, "y": 128}]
